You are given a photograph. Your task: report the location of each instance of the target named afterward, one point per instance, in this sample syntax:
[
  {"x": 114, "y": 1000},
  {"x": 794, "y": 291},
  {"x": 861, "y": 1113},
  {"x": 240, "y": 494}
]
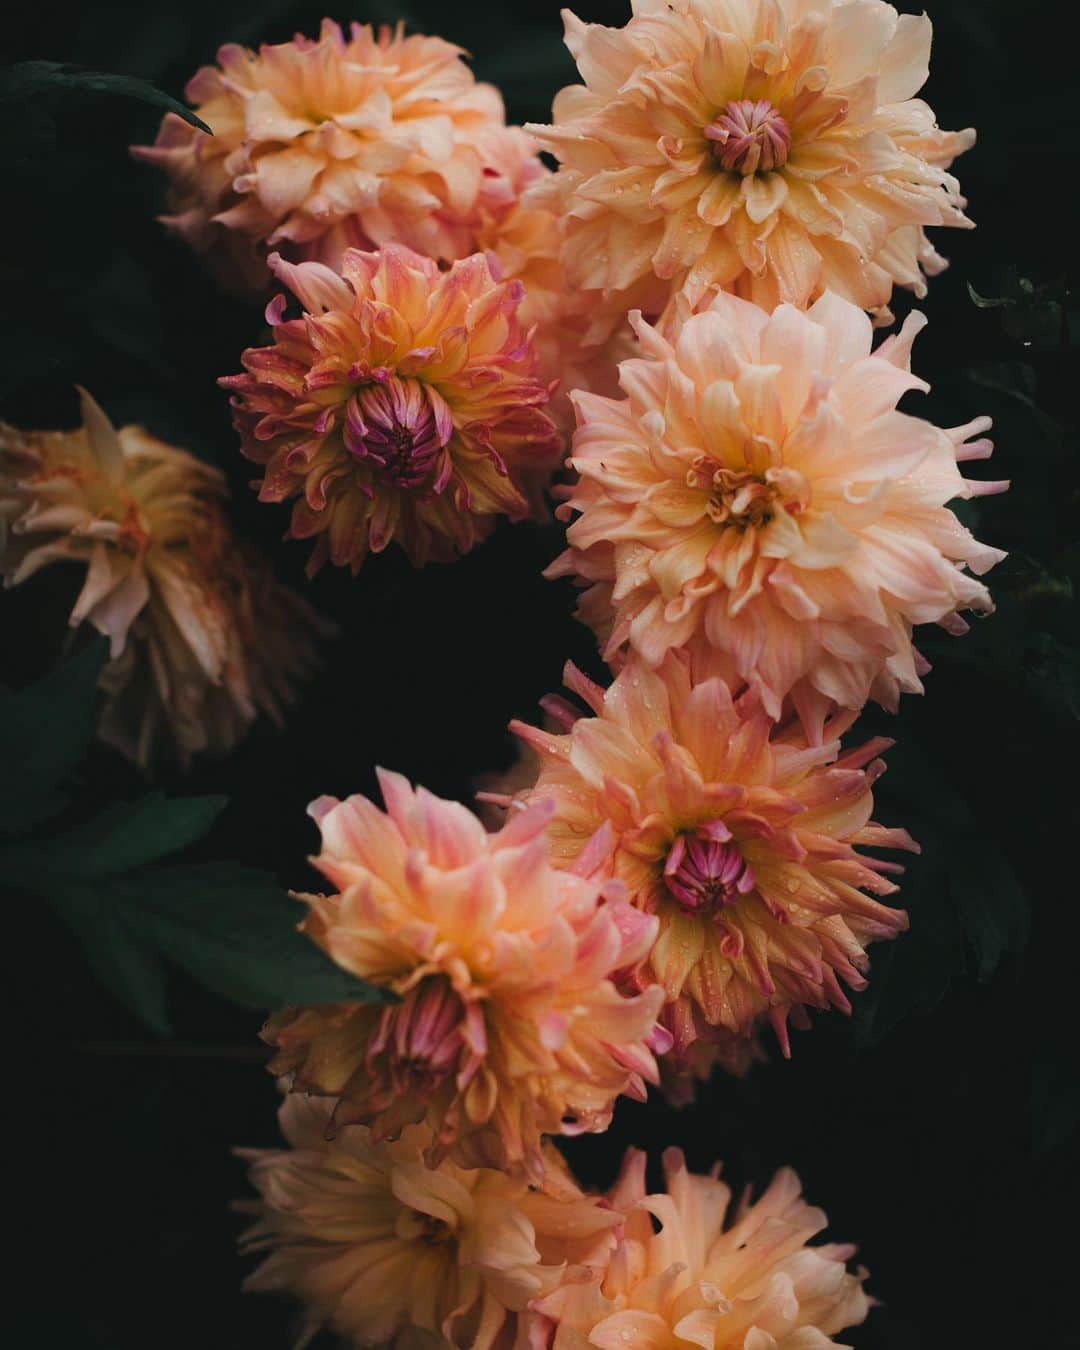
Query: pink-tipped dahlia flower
[
  {"x": 737, "y": 835},
  {"x": 355, "y": 141},
  {"x": 685, "y": 1274},
  {"x": 387, "y": 1252},
  {"x": 202, "y": 638},
  {"x": 758, "y": 497},
  {"x": 403, "y": 404},
  {"x": 772, "y": 147},
  {"x": 508, "y": 1024}
]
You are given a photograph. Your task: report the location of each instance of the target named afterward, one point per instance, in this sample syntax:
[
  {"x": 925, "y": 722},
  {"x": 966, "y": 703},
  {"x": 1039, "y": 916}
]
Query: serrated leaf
[
  {"x": 25, "y": 79},
  {"x": 44, "y": 731}
]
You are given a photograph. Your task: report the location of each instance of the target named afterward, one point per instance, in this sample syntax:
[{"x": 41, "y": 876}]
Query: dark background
[{"x": 933, "y": 1127}]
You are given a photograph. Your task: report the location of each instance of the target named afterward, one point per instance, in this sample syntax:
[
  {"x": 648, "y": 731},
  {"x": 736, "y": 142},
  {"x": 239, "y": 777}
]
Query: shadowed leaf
[{"x": 25, "y": 79}]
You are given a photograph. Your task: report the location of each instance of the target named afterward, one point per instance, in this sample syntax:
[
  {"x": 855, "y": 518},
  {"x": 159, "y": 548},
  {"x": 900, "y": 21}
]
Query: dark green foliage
[
  {"x": 966, "y": 905},
  {"x": 230, "y": 926},
  {"x": 37, "y": 79},
  {"x": 44, "y": 731}
]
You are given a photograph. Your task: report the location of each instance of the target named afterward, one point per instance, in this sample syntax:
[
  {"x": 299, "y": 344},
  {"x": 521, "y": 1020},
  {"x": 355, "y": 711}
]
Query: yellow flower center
[
  {"x": 736, "y": 497},
  {"x": 747, "y": 498}
]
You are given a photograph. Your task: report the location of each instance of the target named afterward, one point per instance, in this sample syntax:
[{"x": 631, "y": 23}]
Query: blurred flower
[
  {"x": 773, "y": 147},
  {"x": 201, "y": 636},
  {"x": 342, "y": 142},
  {"x": 508, "y": 1024},
  {"x": 758, "y": 497},
  {"x": 403, "y": 404},
  {"x": 737, "y": 835},
  {"x": 388, "y": 1252},
  {"x": 683, "y": 1275}
]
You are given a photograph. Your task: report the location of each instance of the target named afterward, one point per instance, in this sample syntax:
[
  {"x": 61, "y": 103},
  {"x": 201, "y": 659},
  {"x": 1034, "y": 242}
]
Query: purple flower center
[
  {"x": 421, "y": 1035},
  {"x": 705, "y": 871},
  {"x": 399, "y": 427},
  {"x": 750, "y": 137}
]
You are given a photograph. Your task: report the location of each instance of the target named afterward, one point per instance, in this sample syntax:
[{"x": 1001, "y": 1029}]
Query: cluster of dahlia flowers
[{"x": 685, "y": 856}]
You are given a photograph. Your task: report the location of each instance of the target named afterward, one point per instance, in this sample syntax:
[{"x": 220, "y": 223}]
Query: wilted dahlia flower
[
  {"x": 388, "y": 1252},
  {"x": 508, "y": 1024},
  {"x": 402, "y": 405},
  {"x": 773, "y": 147},
  {"x": 684, "y": 1275},
  {"x": 737, "y": 835},
  {"x": 201, "y": 636},
  {"x": 758, "y": 496},
  {"x": 342, "y": 142}
]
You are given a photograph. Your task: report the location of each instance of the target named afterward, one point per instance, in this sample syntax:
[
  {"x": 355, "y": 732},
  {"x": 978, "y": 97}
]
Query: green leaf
[
  {"x": 124, "y": 961},
  {"x": 44, "y": 731},
  {"x": 234, "y": 930},
  {"x": 229, "y": 926},
  {"x": 26, "y": 79},
  {"x": 966, "y": 906},
  {"x": 127, "y": 835}
]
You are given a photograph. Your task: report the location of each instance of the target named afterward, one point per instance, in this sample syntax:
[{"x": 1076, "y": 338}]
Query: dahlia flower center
[
  {"x": 750, "y": 136},
  {"x": 422, "y": 1035},
  {"x": 735, "y": 496},
  {"x": 705, "y": 871},
  {"x": 399, "y": 427},
  {"x": 414, "y": 1225}
]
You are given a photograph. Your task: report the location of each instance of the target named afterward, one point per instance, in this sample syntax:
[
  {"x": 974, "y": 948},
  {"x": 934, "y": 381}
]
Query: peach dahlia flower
[
  {"x": 758, "y": 496},
  {"x": 684, "y": 1274},
  {"x": 573, "y": 349},
  {"x": 508, "y": 1024},
  {"x": 403, "y": 404},
  {"x": 773, "y": 147},
  {"x": 738, "y": 836},
  {"x": 201, "y": 635},
  {"x": 354, "y": 141},
  {"x": 390, "y": 1253}
]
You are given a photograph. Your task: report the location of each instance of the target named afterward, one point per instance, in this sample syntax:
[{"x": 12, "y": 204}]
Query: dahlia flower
[
  {"x": 737, "y": 835},
  {"x": 772, "y": 147},
  {"x": 388, "y": 1252},
  {"x": 201, "y": 636},
  {"x": 573, "y": 351},
  {"x": 341, "y": 142},
  {"x": 402, "y": 405},
  {"x": 758, "y": 496},
  {"x": 684, "y": 1275},
  {"x": 508, "y": 1025}
]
